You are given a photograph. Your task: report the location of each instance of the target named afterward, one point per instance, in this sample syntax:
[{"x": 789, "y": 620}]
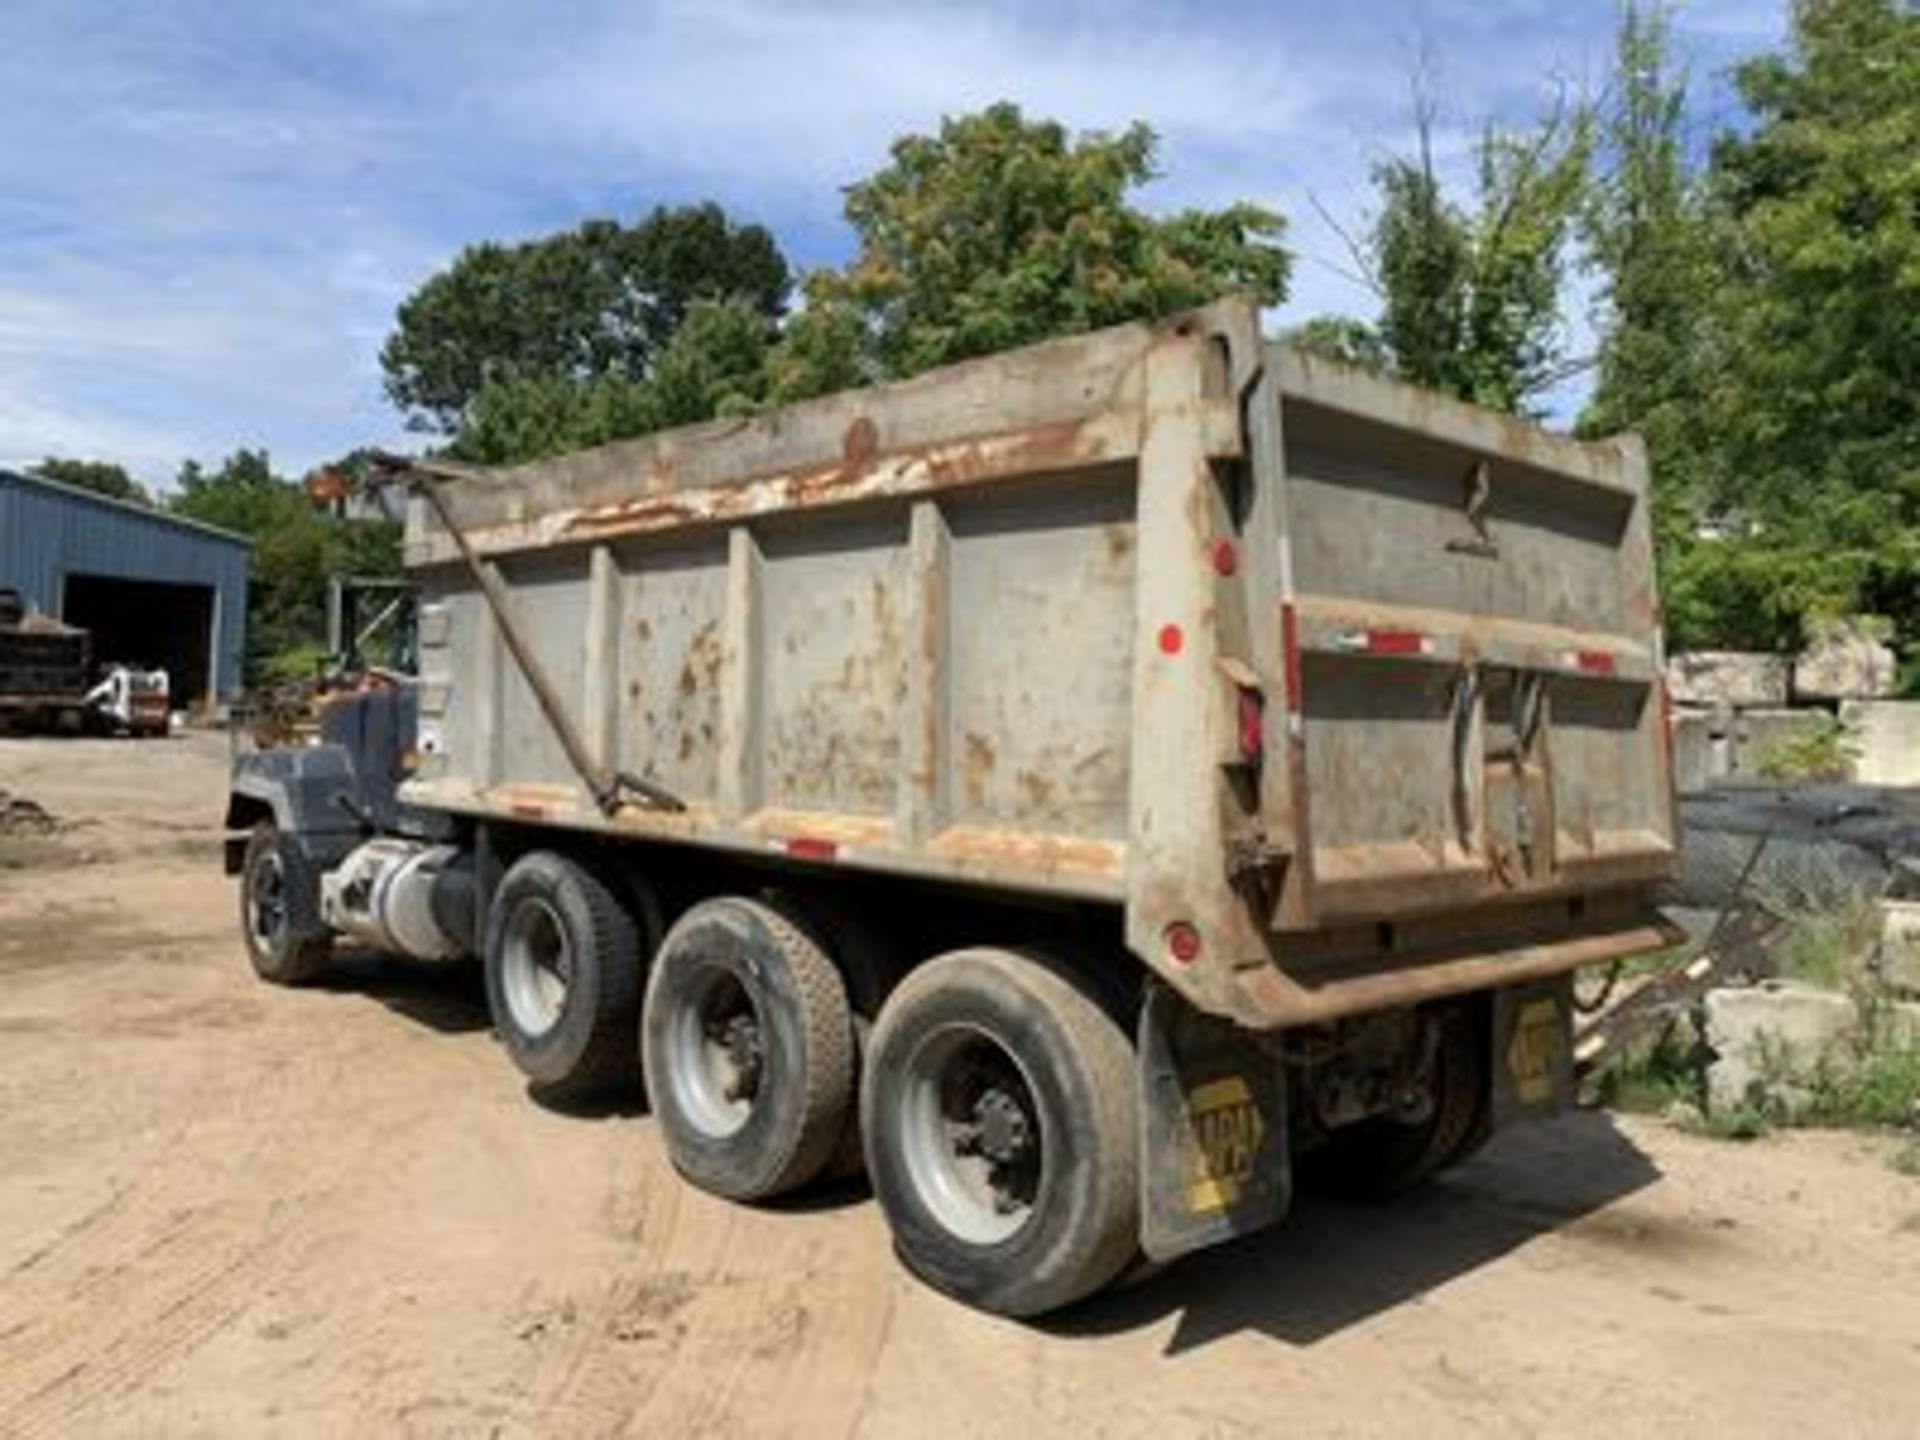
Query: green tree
[
  {"x": 1342, "y": 338},
  {"x": 1000, "y": 231},
  {"x": 1816, "y": 419},
  {"x": 100, "y": 476},
  {"x": 596, "y": 303},
  {"x": 1470, "y": 295},
  {"x": 715, "y": 364},
  {"x": 296, "y": 548},
  {"x": 1657, "y": 244},
  {"x": 1647, "y": 236}
]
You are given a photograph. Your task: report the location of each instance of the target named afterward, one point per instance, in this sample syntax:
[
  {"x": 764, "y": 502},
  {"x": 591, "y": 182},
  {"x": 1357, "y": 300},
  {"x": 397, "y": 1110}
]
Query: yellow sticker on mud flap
[
  {"x": 1532, "y": 1051},
  {"x": 1225, "y": 1131}
]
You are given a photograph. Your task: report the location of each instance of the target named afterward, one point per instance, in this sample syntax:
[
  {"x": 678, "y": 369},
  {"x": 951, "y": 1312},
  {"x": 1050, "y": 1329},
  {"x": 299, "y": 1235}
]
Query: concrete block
[
  {"x": 1770, "y": 1040},
  {"x": 1887, "y": 735},
  {"x": 1900, "y": 945},
  {"x": 1699, "y": 756},
  {"x": 1757, "y": 732},
  {"x": 1846, "y": 660},
  {"x": 1728, "y": 677}
]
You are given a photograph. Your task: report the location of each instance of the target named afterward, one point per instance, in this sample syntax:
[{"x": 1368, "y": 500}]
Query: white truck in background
[{"x": 131, "y": 700}]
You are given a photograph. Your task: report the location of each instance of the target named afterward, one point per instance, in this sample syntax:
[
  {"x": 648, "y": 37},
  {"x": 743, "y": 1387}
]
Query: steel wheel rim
[
  {"x": 536, "y": 967},
  {"x": 267, "y": 899},
  {"x": 716, "y": 1053},
  {"x": 971, "y": 1135}
]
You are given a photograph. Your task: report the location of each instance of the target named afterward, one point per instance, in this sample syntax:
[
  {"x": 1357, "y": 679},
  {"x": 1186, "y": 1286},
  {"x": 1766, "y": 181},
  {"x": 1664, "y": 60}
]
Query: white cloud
[{"x": 208, "y": 211}]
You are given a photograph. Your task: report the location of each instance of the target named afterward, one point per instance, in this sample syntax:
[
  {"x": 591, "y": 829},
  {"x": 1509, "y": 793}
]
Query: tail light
[{"x": 1252, "y": 726}]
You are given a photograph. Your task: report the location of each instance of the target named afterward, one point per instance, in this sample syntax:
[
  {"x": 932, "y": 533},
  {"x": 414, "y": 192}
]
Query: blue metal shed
[{"x": 153, "y": 589}]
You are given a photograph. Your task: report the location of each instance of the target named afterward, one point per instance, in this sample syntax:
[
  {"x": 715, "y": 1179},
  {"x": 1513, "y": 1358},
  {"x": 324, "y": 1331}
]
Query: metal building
[{"x": 152, "y": 588}]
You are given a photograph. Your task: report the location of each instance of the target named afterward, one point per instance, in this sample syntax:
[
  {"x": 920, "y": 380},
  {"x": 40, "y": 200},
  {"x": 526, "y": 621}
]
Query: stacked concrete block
[
  {"x": 1846, "y": 660},
  {"x": 1886, "y": 735},
  {"x": 1733, "y": 706},
  {"x": 1701, "y": 750},
  {"x": 1899, "y": 957},
  {"x": 1738, "y": 678},
  {"x": 1771, "y": 1042}
]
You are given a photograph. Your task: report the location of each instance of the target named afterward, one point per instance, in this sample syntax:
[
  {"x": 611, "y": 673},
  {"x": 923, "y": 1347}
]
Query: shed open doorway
[{"x": 148, "y": 623}]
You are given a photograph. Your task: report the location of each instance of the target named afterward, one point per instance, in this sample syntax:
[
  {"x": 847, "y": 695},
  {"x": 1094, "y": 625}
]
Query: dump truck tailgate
[{"x": 1474, "y": 708}]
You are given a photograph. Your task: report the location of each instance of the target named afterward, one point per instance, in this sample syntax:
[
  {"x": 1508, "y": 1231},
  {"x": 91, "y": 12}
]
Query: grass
[
  {"x": 1878, "y": 1089},
  {"x": 1906, "y": 1161},
  {"x": 1869, "y": 1079},
  {"x": 1652, "y": 1077},
  {"x": 1828, "y": 944},
  {"x": 1822, "y": 749}
]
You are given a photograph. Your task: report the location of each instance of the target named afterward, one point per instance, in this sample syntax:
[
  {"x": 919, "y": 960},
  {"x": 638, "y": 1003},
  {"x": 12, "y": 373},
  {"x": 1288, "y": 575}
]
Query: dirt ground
[{"x": 229, "y": 1210}]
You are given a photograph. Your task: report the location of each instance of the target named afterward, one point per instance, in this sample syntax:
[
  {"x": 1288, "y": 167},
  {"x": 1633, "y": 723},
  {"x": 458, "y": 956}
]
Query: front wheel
[
  {"x": 281, "y": 951},
  {"x": 998, "y": 1109}
]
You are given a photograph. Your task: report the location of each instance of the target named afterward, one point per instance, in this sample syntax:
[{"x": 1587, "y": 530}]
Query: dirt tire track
[{"x": 183, "y": 1259}]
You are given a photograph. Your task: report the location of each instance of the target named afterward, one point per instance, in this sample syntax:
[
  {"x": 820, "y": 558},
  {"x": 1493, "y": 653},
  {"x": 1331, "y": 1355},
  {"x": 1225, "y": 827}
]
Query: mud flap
[
  {"x": 1213, "y": 1131},
  {"x": 1532, "y": 1050}
]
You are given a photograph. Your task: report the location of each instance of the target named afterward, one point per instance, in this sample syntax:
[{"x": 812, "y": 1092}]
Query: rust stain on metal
[
  {"x": 860, "y": 443},
  {"x": 988, "y": 849},
  {"x": 702, "y": 667},
  {"x": 855, "y": 475},
  {"x": 1037, "y": 790},
  {"x": 977, "y": 760}
]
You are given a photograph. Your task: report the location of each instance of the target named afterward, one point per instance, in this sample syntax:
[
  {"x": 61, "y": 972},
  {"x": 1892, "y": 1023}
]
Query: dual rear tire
[
  {"x": 563, "y": 956},
  {"x": 996, "y": 1103},
  {"x": 999, "y": 1119},
  {"x": 748, "y": 1048}
]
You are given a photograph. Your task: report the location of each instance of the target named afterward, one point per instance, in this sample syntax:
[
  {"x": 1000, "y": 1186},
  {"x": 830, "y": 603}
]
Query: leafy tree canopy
[
  {"x": 1822, "y": 200},
  {"x": 1470, "y": 291},
  {"x": 999, "y": 231},
  {"x": 100, "y": 476},
  {"x": 1002, "y": 230},
  {"x": 1762, "y": 325},
  {"x": 1648, "y": 235},
  {"x": 297, "y": 547},
  {"x": 715, "y": 364},
  {"x": 592, "y": 304}
]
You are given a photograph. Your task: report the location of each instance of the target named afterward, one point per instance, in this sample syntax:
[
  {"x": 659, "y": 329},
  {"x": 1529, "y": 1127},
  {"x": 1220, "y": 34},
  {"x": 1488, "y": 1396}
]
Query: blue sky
[{"x": 209, "y": 208}]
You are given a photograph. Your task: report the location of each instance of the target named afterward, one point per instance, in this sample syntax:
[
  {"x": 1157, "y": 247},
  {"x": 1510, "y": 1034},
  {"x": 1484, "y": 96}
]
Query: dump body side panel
[{"x": 1078, "y": 621}]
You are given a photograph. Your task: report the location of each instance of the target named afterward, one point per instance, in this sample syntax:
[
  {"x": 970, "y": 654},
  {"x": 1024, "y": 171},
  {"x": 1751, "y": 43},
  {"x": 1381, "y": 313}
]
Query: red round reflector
[
  {"x": 1183, "y": 942},
  {"x": 1225, "y": 559},
  {"x": 1171, "y": 639}
]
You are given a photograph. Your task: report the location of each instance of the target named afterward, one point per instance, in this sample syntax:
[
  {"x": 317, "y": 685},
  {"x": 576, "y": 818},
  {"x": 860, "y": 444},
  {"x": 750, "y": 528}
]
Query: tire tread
[
  {"x": 607, "y": 1056},
  {"x": 1100, "y": 1244}
]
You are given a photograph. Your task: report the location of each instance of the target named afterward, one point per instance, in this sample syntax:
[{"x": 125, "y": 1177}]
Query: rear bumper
[{"x": 1281, "y": 995}]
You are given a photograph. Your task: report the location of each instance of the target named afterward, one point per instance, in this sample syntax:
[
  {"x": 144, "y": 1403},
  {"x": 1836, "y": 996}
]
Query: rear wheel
[
  {"x": 270, "y": 874},
  {"x": 563, "y": 963},
  {"x": 999, "y": 1114},
  {"x": 748, "y": 1049},
  {"x": 1388, "y": 1155}
]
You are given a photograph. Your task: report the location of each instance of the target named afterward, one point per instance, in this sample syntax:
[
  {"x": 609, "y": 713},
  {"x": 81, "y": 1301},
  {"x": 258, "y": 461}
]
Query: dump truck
[
  {"x": 1090, "y": 788},
  {"x": 44, "y": 665}
]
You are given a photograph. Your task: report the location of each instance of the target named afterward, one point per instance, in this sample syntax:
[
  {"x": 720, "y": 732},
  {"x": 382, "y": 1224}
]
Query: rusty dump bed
[{"x": 1347, "y": 693}]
